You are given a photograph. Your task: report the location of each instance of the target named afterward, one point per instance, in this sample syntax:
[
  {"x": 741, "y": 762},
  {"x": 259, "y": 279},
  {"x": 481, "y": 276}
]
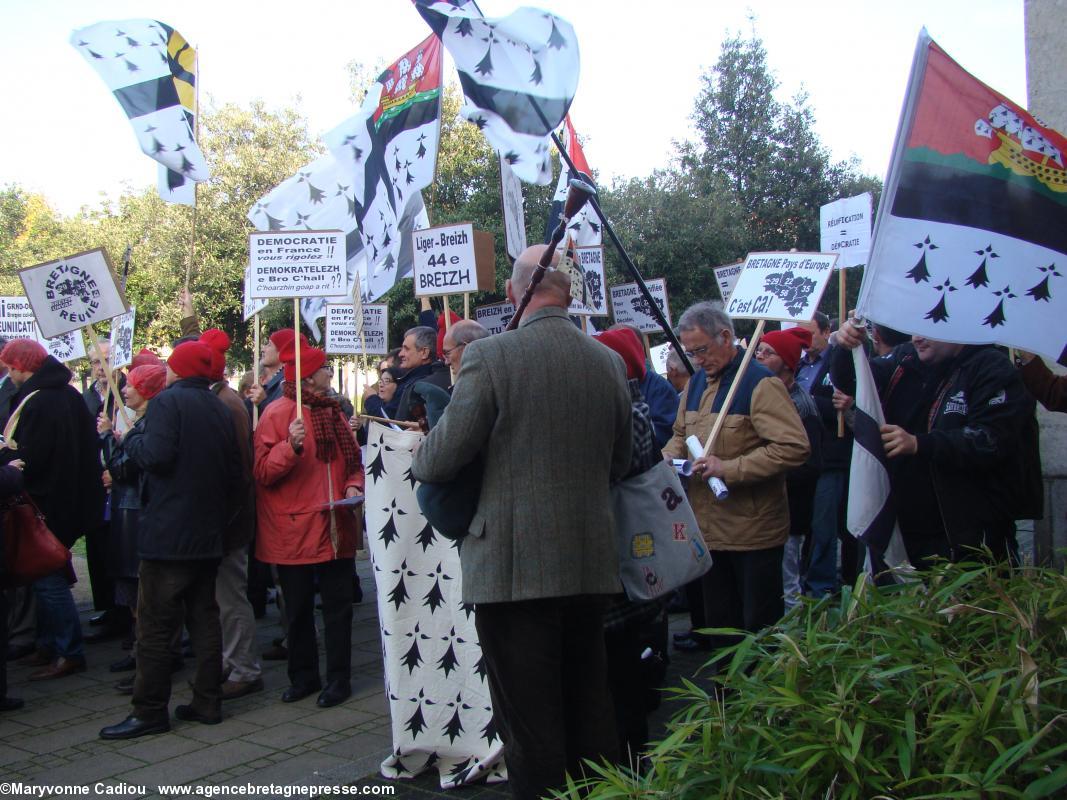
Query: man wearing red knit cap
[
  {"x": 51, "y": 430},
  {"x": 187, "y": 452},
  {"x": 270, "y": 365}
]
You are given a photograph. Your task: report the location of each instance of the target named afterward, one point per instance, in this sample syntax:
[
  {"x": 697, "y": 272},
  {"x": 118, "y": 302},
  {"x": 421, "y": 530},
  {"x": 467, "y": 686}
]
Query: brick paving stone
[
  {"x": 285, "y": 736},
  {"x": 362, "y": 744},
  {"x": 10, "y": 754},
  {"x": 153, "y": 749},
  {"x": 87, "y": 771},
  {"x": 283, "y": 773},
  {"x": 277, "y": 713},
  {"x": 338, "y": 718},
  {"x": 230, "y": 728},
  {"x": 54, "y": 741},
  {"x": 47, "y": 714},
  {"x": 204, "y": 762}
]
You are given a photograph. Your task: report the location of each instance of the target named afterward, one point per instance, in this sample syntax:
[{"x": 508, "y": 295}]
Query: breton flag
[
  {"x": 584, "y": 229},
  {"x": 151, "y": 70},
  {"x": 388, "y": 152},
  {"x": 321, "y": 196},
  {"x": 519, "y": 74},
  {"x": 872, "y": 513},
  {"x": 970, "y": 244}
]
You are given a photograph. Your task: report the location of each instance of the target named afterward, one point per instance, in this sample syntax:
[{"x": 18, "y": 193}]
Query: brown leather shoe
[
  {"x": 60, "y": 669},
  {"x": 231, "y": 690},
  {"x": 38, "y": 658}
]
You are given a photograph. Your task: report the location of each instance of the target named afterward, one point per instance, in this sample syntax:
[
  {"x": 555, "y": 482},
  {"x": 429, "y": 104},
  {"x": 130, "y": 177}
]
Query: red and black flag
[
  {"x": 970, "y": 244},
  {"x": 584, "y": 229}
]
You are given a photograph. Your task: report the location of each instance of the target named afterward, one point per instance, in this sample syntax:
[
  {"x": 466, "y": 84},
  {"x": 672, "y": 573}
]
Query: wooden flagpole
[
  {"x": 466, "y": 305},
  {"x": 448, "y": 315},
  {"x": 196, "y": 140},
  {"x": 721, "y": 418},
  {"x": 112, "y": 386},
  {"x": 296, "y": 345}
]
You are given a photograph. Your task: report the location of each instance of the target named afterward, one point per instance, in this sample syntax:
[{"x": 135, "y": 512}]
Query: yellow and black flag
[{"x": 151, "y": 71}]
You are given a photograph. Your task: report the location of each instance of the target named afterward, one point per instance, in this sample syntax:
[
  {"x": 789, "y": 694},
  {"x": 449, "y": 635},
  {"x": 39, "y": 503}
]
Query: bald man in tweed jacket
[{"x": 547, "y": 409}]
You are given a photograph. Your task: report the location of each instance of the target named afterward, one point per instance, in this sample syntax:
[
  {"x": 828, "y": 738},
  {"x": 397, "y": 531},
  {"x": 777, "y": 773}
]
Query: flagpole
[
  {"x": 255, "y": 365},
  {"x": 196, "y": 140},
  {"x": 842, "y": 301},
  {"x": 725, "y": 409},
  {"x": 466, "y": 305},
  {"x": 112, "y": 386}
]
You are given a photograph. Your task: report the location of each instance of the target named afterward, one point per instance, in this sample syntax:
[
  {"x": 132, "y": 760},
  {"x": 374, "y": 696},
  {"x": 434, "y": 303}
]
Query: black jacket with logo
[{"x": 977, "y": 467}]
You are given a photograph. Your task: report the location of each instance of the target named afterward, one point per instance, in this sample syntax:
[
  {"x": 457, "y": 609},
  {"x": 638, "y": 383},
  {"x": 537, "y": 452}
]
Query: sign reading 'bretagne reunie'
[
  {"x": 297, "y": 264},
  {"x": 72, "y": 292}
]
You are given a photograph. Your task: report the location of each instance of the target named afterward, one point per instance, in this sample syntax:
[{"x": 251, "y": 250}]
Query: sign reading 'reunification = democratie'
[
  {"x": 297, "y": 264},
  {"x": 72, "y": 292}
]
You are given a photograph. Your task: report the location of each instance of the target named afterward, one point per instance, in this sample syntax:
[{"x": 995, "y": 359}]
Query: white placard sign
[
  {"x": 17, "y": 322},
  {"x": 629, "y": 306},
  {"x": 251, "y": 305},
  {"x": 659, "y": 357},
  {"x": 782, "y": 286},
  {"x": 444, "y": 260},
  {"x": 342, "y": 334},
  {"x": 494, "y": 318},
  {"x": 72, "y": 292},
  {"x": 726, "y": 276},
  {"x": 514, "y": 213},
  {"x": 845, "y": 229},
  {"x": 297, "y": 264},
  {"x": 591, "y": 260},
  {"x": 121, "y": 352}
]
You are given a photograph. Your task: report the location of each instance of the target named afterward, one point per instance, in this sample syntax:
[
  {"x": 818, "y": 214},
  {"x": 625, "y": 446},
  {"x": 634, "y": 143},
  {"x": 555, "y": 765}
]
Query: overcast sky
[{"x": 67, "y": 137}]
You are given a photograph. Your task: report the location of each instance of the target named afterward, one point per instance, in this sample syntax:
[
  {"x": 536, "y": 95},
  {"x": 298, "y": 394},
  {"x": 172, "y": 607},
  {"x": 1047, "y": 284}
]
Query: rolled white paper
[
  {"x": 683, "y": 466},
  {"x": 696, "y": 450}
]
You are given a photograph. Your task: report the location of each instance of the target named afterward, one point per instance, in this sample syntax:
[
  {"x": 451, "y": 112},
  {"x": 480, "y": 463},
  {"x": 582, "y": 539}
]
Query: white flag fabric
[
  {"x": 519, "y": 74},
  {"x": 970, "y": 244},
  {"x": 151, "y": 71},
  {"x": 583, "y": 230},
  {"x": 321, "y": 196},
  {"x": 435, "y": 674},
  {"x": 872, "y": 513}
]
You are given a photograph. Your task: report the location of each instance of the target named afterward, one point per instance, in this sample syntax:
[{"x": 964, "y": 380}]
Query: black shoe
[
  {"x": 125, "y": 686},
  {"x": 295, "y": 692},
  {"x": 10, "y": 704},
  {"x": 190, "y": 714},
  {"x": 17, "y": 651},
  {"x": 131, "y": 728},
  {"x": 692, "y": 644},
  {"x": 335, "y": 693},
  {"x": 679, "y": 636},
  {"x": 98, "y": 619},
  {"x": 124, "y": 664}
]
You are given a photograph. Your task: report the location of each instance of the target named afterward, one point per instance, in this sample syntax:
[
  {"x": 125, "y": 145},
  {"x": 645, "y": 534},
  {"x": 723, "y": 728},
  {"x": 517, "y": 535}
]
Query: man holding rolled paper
[{"x": 745, "y": 524}]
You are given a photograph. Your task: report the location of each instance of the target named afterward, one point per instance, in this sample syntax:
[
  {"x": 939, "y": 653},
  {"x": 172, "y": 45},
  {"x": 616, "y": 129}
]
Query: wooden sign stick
[
  {"x": 841, "y": 302},
  {"x": 112, "y": 386},
  {"x": 466, "y": 305},
  {"x": 448, "y": 315},
  {"x": 255, "y": 365},
  {"x": 296, "y": 343},
  {"x": 721, "y": 418}
]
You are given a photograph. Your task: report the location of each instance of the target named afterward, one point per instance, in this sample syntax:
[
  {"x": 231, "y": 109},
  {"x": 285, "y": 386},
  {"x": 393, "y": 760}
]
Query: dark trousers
[
  {"x": 335, "y": 587},
  {"x": 743, "y": 589},
  {"x": 3, "y": 638},
  {"x": 694, "y": 596},
  {"x": 547, "y": 669},
  {"x": 96, "y": 555},
  {"x": 170, "y": 593}
]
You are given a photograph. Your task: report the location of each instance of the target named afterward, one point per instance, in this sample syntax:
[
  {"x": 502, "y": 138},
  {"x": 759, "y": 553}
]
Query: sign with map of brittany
[
  {"x": 72, "y": 292},
  {"x": 781, "y": 286}
]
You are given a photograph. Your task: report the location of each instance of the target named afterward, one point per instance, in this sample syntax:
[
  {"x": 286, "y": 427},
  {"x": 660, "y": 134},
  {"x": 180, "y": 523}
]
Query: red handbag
[{"x": 31, "y": 550}]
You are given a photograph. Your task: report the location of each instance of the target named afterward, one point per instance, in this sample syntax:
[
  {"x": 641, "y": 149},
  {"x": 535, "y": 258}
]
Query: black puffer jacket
[
  {"x": 56, "y": 437},
  {"x": 977, "y": 456},
  {"x": 436, "y": 372},
  {"x": 191, "y": 486}
]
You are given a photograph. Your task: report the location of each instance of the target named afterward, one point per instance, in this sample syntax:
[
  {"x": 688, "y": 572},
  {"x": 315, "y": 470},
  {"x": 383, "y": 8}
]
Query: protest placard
[
  {"x": 296, "y": 264},
  {"x": 72, "y": 292},
  {"x": 17, "y": 322},
  {"x": 121, "y": 353},
  {"x": 659, "y": 355},
  {"x": 342, "y": 333},
  {"x": 494, "y": 317},
  {"x": 591, "y": 262},
  {"x": 629, "y": 306},
  {"x": 845, "y": 229},
  {"x": 782, "y": 286},
  {"x": 726, "y": 276},
  {"x": 514, "y": 213},
  {"x": 252, "y": 306},
  {"x": 452, "y": 259}
]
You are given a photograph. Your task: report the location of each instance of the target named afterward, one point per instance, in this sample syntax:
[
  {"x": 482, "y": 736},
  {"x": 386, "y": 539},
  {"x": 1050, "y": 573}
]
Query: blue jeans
[
  {"x": 791, "y": 558},
  {"x": 58, "y": 628},
  {"x": 821, "y": 576}
]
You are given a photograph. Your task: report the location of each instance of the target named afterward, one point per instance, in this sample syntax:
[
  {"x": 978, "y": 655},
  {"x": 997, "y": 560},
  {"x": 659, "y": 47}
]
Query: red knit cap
[
  {"x": 23, "y": 354},
  {"x": 191, "y": 360},
  {"x": 625, "y": 342},
  {"x": 788, "y": 344},
  {"x": 148, "y": 379},
  {"x": 283, "y": 338},
  {"x": 311, "y": 358},
  {"x": 146, "y": 357},
  {"x": 219, "y": 343}
]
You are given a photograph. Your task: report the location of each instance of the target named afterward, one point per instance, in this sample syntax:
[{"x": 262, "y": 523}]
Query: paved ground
[{"x": 53, "y": 740}]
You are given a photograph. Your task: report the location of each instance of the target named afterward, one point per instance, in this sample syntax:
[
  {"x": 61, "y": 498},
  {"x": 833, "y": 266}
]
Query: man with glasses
[
  {"x": 761, "y": 439},
  {"x": 457, "y": 338}
]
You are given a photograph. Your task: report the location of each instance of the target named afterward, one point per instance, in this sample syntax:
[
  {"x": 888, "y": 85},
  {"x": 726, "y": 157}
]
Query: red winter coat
[{"x": 291, "y": 490}]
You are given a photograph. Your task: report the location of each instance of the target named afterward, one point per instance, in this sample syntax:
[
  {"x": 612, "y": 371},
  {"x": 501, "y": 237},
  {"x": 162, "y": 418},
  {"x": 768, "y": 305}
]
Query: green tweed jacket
[{"x": 548, "y": 410}]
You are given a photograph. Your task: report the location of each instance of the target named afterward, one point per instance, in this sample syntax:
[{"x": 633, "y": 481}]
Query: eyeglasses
[
  {"x": 699, "y": 351},
  {"x": 385, "y": 381},
  {"x": 764, "y": 352},
  {"x": 447, "y": 351}
]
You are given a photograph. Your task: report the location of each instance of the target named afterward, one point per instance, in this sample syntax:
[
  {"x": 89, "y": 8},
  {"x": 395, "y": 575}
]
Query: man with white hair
[
  {"x": 457, "y": 338},
  {"x": 547, "y": 410}
]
